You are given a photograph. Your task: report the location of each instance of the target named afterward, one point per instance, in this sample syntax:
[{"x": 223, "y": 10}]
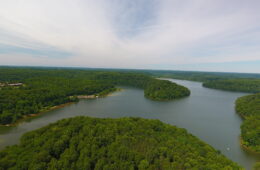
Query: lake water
[{"x": 207, "y": 113}]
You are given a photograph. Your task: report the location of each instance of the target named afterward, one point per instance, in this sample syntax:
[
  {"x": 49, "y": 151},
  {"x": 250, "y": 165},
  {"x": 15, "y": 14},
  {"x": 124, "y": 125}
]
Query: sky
[{"x": 199, "y": 35}]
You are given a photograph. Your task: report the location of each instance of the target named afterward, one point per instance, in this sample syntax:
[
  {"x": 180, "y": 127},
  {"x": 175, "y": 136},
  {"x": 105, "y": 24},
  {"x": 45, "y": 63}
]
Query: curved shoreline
[
  {"x": 246, "y": 148},
  {"x": 25, "y": 117},
  {"x": 241, "y": 156}
]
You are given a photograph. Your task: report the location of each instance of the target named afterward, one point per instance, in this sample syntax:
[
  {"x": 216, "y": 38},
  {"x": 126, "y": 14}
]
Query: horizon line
[{"x": 111, "y": 68}]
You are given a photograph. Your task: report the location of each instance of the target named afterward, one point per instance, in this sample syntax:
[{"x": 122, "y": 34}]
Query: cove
[{"x": 207, "y": 113}]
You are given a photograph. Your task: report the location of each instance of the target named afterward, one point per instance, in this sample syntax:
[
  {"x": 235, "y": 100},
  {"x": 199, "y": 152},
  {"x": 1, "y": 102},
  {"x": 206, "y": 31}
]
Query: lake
[{"x": 207, "y": 113}]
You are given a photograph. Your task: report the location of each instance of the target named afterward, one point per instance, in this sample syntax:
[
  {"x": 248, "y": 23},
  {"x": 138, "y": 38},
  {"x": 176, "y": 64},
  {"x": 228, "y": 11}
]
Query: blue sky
[{"x": 201, "y": 35}]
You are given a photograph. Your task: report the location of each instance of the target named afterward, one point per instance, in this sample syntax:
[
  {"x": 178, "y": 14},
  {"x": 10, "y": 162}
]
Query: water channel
[{"x": 207, "y": 113}]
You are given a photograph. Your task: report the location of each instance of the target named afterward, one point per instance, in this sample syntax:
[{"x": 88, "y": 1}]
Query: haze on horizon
[{"x": 199, "y": 35}]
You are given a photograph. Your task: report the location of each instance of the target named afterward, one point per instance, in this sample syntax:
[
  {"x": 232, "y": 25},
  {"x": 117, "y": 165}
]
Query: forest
[
  {"x": 201, "y": 76},
  {"x": 240, "y": 82},
  {"x": 249, "y": 108},
  {"x": 39, "y": 94},
  {"x": 165, "y": 90},
  {"x": 241, "y": 85},
  {"x": 43, "y": 88},
  {"x": 124, "y": 143}
]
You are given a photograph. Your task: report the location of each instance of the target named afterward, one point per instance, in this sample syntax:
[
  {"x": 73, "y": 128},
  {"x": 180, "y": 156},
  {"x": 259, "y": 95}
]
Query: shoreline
[
  {"x": 246, "y": 148},
  {"x": 25, "y": 117},
  {"x": 241, "y": 141},
  {"x": 87, "y": 96},
  {"x": 95, "y": 96}
]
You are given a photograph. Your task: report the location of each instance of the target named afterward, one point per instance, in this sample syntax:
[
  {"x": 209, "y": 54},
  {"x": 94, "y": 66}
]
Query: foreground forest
[
  {"x": 249, "y": 108},
  {"x": 43, "y": 88},
  {"x": 125, "y": 143}
]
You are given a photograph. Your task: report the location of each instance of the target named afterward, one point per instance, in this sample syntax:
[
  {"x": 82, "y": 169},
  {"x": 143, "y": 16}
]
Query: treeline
[
  {"x": 249, "y": 108},
  {"x": 43, "y": 88},
  {"x": 241, "y": 85},
  {"x": 165, "y": 90},
  {"x": 202, "y": 76},
  {"x": 242, "y": 82},
  {"x": 39, "y": 94},
  {"x": 125, "y": 143},
  {"x": 154, "y": 89}
]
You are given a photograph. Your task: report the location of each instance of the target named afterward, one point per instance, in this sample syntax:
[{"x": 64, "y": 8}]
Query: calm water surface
[{"x": 208, "y": 114}]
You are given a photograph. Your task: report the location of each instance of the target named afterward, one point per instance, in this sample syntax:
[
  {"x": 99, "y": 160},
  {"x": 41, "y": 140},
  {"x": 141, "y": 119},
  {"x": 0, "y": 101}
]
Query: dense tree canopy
[
  {"x": 243, "y": 82},
  {"x": 46, "y": 87},
  {"x": 39, "y": 94},
  {"x": 249, "y": 108},
  {"x": 125, "y": 143},
  {"x": 154, "y": 89},
  {"x": 165, "y": 90},
  {"x": 242, "y": 85}
]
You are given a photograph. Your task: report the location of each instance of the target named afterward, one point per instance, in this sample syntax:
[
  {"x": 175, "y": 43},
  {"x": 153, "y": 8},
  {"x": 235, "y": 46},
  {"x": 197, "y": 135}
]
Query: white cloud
[{"x": 132, "y": 34}]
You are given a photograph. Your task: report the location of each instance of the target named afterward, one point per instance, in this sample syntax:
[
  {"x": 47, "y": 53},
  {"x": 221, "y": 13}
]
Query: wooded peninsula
[
  {"x": 249, "y": 108},
  {"x": 125, "y": 143},
  {"x": 39, "y": 89}
]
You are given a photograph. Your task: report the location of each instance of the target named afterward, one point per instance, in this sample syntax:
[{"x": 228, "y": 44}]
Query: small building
[{"x": 15, "y": 84}]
